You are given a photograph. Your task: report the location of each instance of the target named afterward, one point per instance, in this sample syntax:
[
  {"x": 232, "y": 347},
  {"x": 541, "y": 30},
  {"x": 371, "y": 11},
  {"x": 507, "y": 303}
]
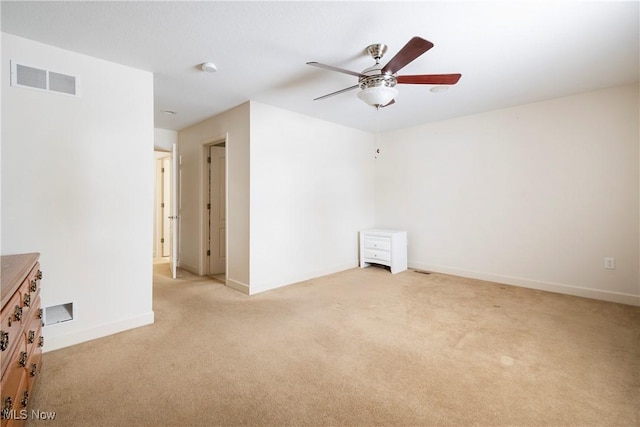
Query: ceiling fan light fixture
[{"x": 378, "y": 96}]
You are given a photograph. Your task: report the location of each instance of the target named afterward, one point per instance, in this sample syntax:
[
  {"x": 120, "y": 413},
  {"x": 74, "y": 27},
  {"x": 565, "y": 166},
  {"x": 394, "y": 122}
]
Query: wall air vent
[
  {"x": 37, "y": 78},
  {"x": 58, "y": 314}
]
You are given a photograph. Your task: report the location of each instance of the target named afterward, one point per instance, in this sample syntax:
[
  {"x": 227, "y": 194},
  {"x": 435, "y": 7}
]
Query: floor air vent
[{"x": 37, "y": 78}]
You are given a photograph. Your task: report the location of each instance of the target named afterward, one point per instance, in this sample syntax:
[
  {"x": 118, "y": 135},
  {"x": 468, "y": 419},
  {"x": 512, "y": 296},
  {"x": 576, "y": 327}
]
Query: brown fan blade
[
  {"x": 337, "y": 92},
  {"x": 430, "y": 79},
  {"x": 414, "y": 48},
  {"x": 332, "y": 68}
]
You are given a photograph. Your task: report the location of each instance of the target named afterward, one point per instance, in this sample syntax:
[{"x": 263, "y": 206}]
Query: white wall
[
  {"x": 234, "y": 125},
  {"x": 77, "y": 186},
  {"x": 312, "y": 189},
  {"x": 537, "y": 195},
  {"x": 163, "y": 139},
  {"x": 299, "y": 189}
]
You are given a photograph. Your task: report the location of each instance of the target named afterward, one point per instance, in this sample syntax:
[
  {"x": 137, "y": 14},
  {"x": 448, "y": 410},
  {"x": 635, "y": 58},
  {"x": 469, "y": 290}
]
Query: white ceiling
[{"x": 508, "y": 53}]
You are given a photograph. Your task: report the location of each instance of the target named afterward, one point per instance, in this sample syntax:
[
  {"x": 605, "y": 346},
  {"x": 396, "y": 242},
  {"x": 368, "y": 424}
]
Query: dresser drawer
[
  {"x": 33, "y": 327},
  {"x": 379, "y": 243},
  {"x": 34, "y": 365},
  {"x": 34, "y": 342},
  {"x": 34, "y": 278},
  {"x": 11, "y": 329}
]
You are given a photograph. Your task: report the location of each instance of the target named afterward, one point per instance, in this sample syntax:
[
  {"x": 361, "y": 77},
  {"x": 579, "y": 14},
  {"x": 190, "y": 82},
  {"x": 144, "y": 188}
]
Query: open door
[{"x": 174, "y": 217}]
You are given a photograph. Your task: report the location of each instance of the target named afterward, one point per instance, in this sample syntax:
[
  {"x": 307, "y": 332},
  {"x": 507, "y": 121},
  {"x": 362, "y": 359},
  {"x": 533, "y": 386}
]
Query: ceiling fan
[{"x": 377, "y": 83}]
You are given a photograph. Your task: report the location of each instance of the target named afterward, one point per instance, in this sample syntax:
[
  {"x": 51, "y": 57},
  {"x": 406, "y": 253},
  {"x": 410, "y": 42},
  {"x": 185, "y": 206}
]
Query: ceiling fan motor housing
[{"x": 374, "y": 77}]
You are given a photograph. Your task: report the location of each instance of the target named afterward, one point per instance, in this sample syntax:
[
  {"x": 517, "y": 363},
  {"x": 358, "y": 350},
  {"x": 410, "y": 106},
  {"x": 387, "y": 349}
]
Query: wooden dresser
[{"x": 21, "y": 338}]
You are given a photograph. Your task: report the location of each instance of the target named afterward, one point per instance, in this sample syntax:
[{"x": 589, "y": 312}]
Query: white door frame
[
  {"x": 167, "y": 196},
  {"x": 204, "y": 198},
  {"x": 159, "y": 217},
  {"x": 174, "y": 257}
]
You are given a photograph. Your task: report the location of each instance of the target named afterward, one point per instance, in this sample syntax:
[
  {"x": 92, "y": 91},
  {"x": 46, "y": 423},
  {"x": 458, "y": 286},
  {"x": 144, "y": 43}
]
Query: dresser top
[{"x": 14, "y": 269}]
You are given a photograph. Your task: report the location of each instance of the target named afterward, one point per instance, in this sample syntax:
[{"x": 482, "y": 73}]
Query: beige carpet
[{"x": 358, "y": 348}]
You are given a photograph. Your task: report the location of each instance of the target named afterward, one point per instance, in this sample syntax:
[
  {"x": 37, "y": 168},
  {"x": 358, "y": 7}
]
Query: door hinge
[
  {"x": 162, "y": 240},
  {"x": 162, "y": 170},
  {"x": 208, "y": 159},
  {"x": 162, "y": 205},
  {"x": 208, "y": 205},
  {"x": 208, "y": 253}
]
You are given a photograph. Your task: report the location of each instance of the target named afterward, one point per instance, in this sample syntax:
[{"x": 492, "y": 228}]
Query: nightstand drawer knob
[
  {"x": 39, "y": 275},
  {"x": 31, "y": 337},
  {"x": 25, "y": 399},
  {"x": 18, "y": 313},
  {"x": 26, "y": 300},
  {"x": 34, "y": 285},
  {"x": 34, "y": 369},
  {"x": 23, "y": 359},
  {"x": 41, "y": 342}
]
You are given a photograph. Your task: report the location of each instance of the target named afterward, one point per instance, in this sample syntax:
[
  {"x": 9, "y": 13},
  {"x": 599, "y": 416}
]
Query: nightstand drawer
[
  {"x": 373, "y": 255},
  {"x": 379, "y": 243}
]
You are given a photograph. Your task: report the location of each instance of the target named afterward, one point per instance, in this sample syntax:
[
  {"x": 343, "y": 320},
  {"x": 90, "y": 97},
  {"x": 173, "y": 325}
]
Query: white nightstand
[{"x": 385, "y": 247}]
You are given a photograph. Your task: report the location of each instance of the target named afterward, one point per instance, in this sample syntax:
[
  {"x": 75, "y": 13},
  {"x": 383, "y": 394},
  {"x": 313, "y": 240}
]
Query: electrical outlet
[{"x": 610, "y": 263}]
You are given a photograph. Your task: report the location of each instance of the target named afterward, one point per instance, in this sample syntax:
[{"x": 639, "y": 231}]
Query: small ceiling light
[
  {"x": 438, "y": 89},
  {"x": 208, "y": 67},
  {"x": 170, "y": 112}
]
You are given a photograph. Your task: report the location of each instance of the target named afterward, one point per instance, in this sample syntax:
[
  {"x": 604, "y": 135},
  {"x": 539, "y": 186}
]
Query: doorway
[{"x": 215, "y": 214}]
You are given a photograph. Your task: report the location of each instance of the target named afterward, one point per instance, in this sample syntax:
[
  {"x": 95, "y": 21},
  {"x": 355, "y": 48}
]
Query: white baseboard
[
  {"x": 55, "y": 342},
  {"x": 309, "y": 276},
  {"x": 238, "y": 286},
  {"x": 190, "y": 268},
  {"x": 534, "y": 284}
]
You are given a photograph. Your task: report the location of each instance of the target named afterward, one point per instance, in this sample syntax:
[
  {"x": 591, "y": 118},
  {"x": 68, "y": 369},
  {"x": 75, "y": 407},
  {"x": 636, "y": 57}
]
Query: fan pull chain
[{"x": 377, "y": 132}]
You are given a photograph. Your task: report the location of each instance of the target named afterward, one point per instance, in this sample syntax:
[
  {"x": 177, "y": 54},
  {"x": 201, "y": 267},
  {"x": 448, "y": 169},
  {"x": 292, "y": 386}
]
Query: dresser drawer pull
[
  {"x": 18, "y": 313},
  {"x": 41, "y": 342},
  {"x": 34, "y": 285},
  {"x": 40, "y": 314},
  {"x": 23, "y": 359},
  {"x": 25, "y": 399},
  {"x": 4, "y": 340},
  {"x": 7, "y": 405},
  {"x": 39, "y": 274},
  {"x": 34, "y": 369},
  {"x": 31, "y": 337},
  {"x": 26, "y": 300}
]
